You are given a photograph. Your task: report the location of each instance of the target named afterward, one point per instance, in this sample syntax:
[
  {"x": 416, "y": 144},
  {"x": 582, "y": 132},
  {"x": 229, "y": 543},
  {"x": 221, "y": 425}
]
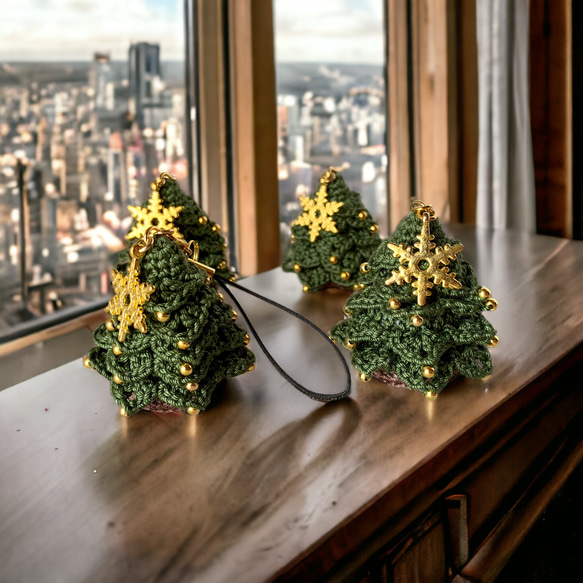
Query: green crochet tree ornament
[
  {"x": 332, "y": 236},
  {"x": 418, "y": 320},
  {"x": 171, "y": 338},
  {"x": 169, "y": 208}
]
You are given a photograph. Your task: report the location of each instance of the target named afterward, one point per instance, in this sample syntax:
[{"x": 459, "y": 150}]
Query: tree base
[
  {"x": 160, "y": 407},
  {"x": 390, "y": 378}
]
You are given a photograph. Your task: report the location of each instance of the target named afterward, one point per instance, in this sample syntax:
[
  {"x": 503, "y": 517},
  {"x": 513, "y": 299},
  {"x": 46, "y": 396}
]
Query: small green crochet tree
[
  {"x": 418, "y": 320},
  {"x": 171, "y": 338},
  {"x": 169, "y": 208},
  {"x": 332, "y": 237}
]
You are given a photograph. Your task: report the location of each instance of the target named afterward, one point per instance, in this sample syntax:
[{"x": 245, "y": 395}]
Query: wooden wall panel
[{"x": 551, "y": 114}]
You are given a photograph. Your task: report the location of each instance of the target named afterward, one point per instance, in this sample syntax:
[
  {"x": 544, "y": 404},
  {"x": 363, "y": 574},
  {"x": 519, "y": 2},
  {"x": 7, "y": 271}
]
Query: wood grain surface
[{"x": 267, "y": 481}]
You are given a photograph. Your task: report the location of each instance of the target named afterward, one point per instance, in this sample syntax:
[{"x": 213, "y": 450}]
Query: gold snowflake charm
[
  {"x": 154, "y": 215},
  {"x": 130, "y": 296},
  {"x": 318, "y": 212},
  {"x": 424, "y": 264}
]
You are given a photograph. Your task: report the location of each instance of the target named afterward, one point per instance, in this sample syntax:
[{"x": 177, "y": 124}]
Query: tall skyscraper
[
  {"x": 145, "y": 77},
  {"x": 101, "y": 81}
]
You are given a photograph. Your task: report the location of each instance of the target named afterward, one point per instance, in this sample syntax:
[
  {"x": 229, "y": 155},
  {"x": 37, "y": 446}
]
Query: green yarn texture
[
  {"x": 353, "y": 244},
  {"x": 454, "y": 333},
  {"x": 149, "y": 365},
  {"x": 211, "y": 243}
]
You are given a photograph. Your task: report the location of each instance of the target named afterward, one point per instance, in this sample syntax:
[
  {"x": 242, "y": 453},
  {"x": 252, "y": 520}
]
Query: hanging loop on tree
[{"x": 420, "y": 208}]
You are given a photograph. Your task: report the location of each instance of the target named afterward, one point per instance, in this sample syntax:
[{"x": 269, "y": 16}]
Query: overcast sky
[{"x": 348, "y": 31}]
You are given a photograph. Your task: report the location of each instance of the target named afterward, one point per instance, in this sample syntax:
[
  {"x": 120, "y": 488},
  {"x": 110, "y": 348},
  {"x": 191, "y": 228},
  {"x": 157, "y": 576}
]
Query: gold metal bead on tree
[
  {"x": 374, "y": 229},
  {"x": 428, "y": 372},
  {"x": 364, "y": 377},
  {"x": 486, "y": 377},
  {"x": 358, "y": 286},
  {"x": 349, "y": 345},
  {"x": 110, "y": 325},
  {"x": 203, "y": 220},
  {"x": 494, "y": 342},
  {"x": 233, "y": 278},
  {"x": 86, "y": 362},
  {"x": 251, "y": 367},
  {"x": 417, "y": 320},
  {"x": 491, "y": 305},
  {"x": 116, "y": 350},
  {"x": 220, "y": 296},
  {"x": 123, "y": 412},
  {"x": 394, "y": 304},
  {"x": 484, "y": 293},
  {"x": 430, "y": 395},
  {"x": 297, "y": 267},
  {"x": 233, "y": 315},
  {"x": 186, "y": 369},
  {"x": 345, "y": 275},
  {"x": 306, "y": 289},
  {"x": 247, "y": 339},
  {"x": 192, "y": 386},
  {"x": 162, "y": 317},
  {"x": 364, "y": 268},
  {"x": 222, "y": 265},
  {"x": 333, "y": 259},
  {"x": 193, "y": 411},
  {"x": 117, "y": 380},
  {"x": 216, "y": 228},
  {"x": 347, "y": 311},
  {"x": 183, "y": 345},
  {"x": 362, "y": 215}
]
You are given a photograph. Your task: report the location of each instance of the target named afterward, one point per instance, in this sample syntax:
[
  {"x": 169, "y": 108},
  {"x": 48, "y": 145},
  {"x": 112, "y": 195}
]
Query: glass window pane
[
  {"x": 92, "y": 108},
  {"x": 330, "y": 61}
]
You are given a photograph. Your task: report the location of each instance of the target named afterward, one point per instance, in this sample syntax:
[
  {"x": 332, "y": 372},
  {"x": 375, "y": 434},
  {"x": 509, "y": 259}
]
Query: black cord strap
[{"x": 225, "y": 284}]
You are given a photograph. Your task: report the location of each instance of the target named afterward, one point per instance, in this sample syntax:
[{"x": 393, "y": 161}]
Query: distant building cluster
[
  {"x": 77, "y": 145},
  {"x": 331, "y": 117}
]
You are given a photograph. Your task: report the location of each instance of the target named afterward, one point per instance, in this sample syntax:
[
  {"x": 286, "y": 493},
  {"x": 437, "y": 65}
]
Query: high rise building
[
  {"x": 101, "y": 81},
  {"x": 145, "y": 77}
]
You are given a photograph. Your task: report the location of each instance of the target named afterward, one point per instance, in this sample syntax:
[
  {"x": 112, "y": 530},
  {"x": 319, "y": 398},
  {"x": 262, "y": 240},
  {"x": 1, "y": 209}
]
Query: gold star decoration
[
  {"x": 154, "y": 215},
  {"x": 424, "y": 264},
  {"x": 318, "y": 212},
  {"x": 130, "y": 296}
]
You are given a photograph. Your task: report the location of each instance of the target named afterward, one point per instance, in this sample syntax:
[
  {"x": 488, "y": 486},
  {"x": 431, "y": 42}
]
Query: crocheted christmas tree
[
  {"x": 171, "y": 338},
  {"x": 418, "y": 321},
  {"x": 169, "y": 208},
  {"x": 332, "y": 236}
]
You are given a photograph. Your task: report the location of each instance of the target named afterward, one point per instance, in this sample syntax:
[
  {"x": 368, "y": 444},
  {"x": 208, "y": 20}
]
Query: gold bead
[
  {"x": 186, "y": 369},
  {"x": 234, "y": 315},
  {"x": 349, "y": 345},
  {"x": 333, "y": 259},
  {"x": 224, "y": 247},
  {"x": 192, "y": 386},
  {"x": 221, "y": 297},
  {"x": 117, "y": 380},
  {"x": 162, "y": 317},
  {"x": 417, "y": 320},
  {"x": 362, "y": 215},
  {"x": 247, "y": 339},
  {"x": 428, "y": 372},
  {"x": 364, "y": 268},
  {"x": 251, "y": 367},
  {"x": 193, "y": 411},
  {"x": 348, "y": 311},
  {"x": 358, "y": 286},
  {"x": 208, "y": 280},
  {"x": 183, "y": 345},
  {"x": 110, "y": 325},
  {"x": 394, "y": 304},
  {"x": 216, "y": 227},
  {"x": 306, "y": 289},
  {"x": 494, "y": 342},
  {"x": 86, "y": 362},
  {"x": 297, "y": 267},
  {"x": 222, "y": 265},
  {"x": 345, "y": 275},
  {"x": 484, "y": 293},
  {"x": 430, "y": 395},
  {"x": 374, "y": 229},
  {"x": 486, "y": 377},
  {"x": 203, "y": 220},
  {"x": 364, "y": 377},
  {"x": 116, "y": 350},
  {"x": 123, "y": 412},
  {"x": 233, "y": 278},
  {"x": 491, "y": 305},
  {"x": 292, "y": 237}
]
